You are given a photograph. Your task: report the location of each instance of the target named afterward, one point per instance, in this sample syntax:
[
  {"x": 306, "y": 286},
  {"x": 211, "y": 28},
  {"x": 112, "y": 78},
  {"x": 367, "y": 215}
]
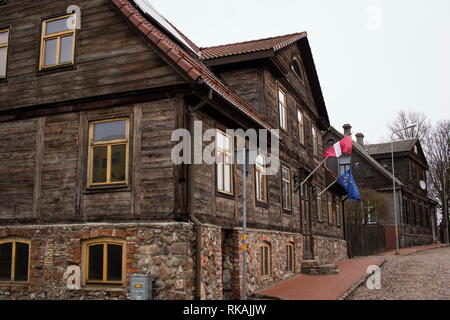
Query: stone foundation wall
[
  {"x": 329, "y": 250},
  {"x": 415, "y": 240},
  {"x": 211, "y": 263},
  {"x": 164, "y": 251},
  {"x": 278, "y": 258}
]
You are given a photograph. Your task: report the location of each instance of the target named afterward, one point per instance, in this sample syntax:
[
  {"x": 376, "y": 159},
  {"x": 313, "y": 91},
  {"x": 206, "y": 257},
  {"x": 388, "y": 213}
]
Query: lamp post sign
[{"x": 245, "y": 157}]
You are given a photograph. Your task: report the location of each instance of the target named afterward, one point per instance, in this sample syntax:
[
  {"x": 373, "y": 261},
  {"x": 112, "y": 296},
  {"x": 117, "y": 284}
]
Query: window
[
  {"x": 370, "y": 172},
  {"x": 413, "y": 214},
  {"x": 4, "y": 40},
  {"x": 416, "y": 150},
  {"x": 405, "y": 211},
  {"x": 315, "y": 142},
  {"x": 344, "y": 164},
  {"x": 339, "y": 212},
  {"x": 305, "y": 203},
  {"x": 283, "y": 109},
  {"x": 319, "y": 204},
  {"x": 265, "y": 259},
  {"x": 14, "y": 260},
  {"x": 104, "y": 261},
  {"x": 224, "y": 147},
  {"x": 297, "y": 69},
  {"x": 286, "y": 187},
  {"x": 330, "y": 208},
  {"x": 108, "y": 152},
  {"x": 261, "y": 179},
  {"x": 58, "y": 41},
  {"x": 371, "y": 214},
  {"x": 301, "y": 127},
  {"x": 290, "y": 260},
  {"x": 420, "y": 214}
]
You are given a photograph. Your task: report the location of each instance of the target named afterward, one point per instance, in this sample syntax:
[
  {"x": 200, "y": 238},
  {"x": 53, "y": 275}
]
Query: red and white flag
[{"x": 340, "y": 148}]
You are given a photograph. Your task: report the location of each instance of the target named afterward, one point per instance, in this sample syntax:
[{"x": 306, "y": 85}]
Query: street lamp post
[{"x": 393, "y": 188}]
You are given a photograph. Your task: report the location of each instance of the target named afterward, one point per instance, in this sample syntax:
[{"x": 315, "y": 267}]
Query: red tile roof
[
  {"x": 194, "y": 67},
  {"x": 274, "y": 43}
]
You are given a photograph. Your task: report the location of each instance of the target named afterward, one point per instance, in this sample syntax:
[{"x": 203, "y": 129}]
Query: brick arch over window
[
  {"x": 103, "y": 233},
  {"x": 15, "y": 233}
]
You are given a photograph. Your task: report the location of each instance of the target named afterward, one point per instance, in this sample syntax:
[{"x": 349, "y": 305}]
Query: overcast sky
[{"x": 373, "y": 57}]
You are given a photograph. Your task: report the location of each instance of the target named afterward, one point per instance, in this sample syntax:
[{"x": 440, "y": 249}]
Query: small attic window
[
  {"x": 297, "y": 68},
  {"x": 416, "y": 150}
]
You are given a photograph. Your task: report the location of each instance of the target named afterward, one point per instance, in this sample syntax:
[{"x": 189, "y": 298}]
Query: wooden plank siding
[{"x": 110, "y": 57}]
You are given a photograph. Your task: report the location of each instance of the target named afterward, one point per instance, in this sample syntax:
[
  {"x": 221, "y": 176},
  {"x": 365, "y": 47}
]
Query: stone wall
[
  {"x": 164, "y": 251},
  {"x": 233, "y": 260},
  {"x": 415, "y": 240},
  {"x": 211, "y": 263},
  {"x": 329, "y": 250}
]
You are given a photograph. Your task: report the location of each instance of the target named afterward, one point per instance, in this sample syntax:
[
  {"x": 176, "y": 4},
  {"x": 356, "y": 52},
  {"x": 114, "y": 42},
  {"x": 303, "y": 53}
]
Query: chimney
[
  {"x": 347, "y": 129},
  {"x": 360, "y": 138}
]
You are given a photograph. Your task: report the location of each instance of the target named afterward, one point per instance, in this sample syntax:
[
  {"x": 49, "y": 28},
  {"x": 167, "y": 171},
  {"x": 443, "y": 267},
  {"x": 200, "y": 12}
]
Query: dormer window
[{"x": 297, "y": 68}]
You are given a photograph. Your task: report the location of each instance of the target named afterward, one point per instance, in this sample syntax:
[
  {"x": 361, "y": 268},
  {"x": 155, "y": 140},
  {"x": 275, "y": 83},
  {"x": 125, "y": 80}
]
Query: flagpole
[{"x": 312, "y": 173}]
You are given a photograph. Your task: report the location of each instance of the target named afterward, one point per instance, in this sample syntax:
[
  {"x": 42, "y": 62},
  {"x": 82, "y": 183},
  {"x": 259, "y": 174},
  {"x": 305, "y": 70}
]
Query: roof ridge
[
  {"x": 389, "y": 142},
  {"x": 255, "y": 40}
]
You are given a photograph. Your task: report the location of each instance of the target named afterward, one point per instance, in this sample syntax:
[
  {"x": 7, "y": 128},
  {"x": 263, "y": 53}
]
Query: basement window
[
  {"x": 4, "y": 40},
  {"x": 104, "y": 261},
  {"x": 58, "y": 42},
  {"x": 108, "y": 152},
  {"x": 14, "y": 260},
  {"x": 290, "y": 261},
  {"x": 265, "y": 259}
]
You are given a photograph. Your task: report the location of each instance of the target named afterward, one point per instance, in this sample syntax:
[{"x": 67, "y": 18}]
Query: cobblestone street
[{"x": 421, "y": 276}]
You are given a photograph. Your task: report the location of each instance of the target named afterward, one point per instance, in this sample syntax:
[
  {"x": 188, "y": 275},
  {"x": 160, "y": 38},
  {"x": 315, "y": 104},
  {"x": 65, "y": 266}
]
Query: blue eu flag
[{"x": 349, "y": 184}]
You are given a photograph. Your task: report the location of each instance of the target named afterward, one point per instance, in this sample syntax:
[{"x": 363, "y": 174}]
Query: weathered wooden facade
[{"x": 87, "y": 173}]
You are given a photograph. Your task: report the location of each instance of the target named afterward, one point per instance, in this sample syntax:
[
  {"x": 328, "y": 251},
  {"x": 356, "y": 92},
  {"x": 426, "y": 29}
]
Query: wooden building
[
  {"x": 416, "y": 213},
  {"x": 88, "y": 104}
]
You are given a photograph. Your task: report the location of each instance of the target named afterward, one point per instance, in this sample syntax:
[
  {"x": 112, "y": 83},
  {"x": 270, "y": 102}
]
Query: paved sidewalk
[
  {"x": 411, "y": 250},
  {"x": 306, "y": 287},
  {"x": 333, "y": 287}
]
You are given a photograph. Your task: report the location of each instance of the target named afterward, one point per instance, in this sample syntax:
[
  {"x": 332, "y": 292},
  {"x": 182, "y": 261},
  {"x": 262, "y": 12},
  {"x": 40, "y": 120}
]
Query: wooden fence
[{"x": 365, "y": 240}]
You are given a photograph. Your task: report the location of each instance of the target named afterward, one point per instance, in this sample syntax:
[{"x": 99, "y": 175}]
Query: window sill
[
  {"x": 14, "y": 284},
  {"x": 225, "y": 195},
  {"x": 108, "y": 189},
  {"x": 262, "y": 204},
  {"x": 117, "y": 288},
  {"x": 56, "y": 69}
]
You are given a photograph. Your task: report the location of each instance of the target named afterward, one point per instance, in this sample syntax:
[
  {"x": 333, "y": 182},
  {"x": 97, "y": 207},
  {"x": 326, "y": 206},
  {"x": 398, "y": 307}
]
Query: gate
[{"x": 365, "y": 240}]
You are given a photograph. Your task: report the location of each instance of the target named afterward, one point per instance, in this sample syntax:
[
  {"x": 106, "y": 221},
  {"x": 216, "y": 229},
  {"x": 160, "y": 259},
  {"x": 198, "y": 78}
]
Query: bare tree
[
  {"x": 372, "y": 208},
  {"x": 438, "y": 155},
  {"x": 405, "y": 119}
]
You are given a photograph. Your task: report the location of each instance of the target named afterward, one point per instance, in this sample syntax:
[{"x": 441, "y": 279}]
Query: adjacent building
[
  {"x": 88, "y": 104},
  {"x": 416, "y": 212}
]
